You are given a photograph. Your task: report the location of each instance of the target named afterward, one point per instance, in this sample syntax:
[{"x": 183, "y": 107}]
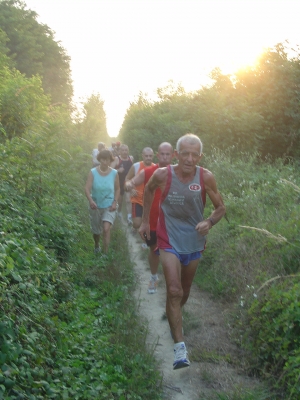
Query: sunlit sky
[{"x": 121, "y": 47}]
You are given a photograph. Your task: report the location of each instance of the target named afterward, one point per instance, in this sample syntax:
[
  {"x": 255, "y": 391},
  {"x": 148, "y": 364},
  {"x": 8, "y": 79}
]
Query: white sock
[
  {"x": 178, "y": 345},
  {"x": 154, "y": 277},
  {"x": 128, "y": 216}
]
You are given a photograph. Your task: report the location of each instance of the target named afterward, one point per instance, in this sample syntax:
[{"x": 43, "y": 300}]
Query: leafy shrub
[
  {"x": 260, "y": 238},
  {"x": 273, "y": 334}
]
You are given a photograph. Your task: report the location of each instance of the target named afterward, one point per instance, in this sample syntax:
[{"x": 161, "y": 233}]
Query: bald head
[
  {"x": 147, "y": 155},
  {"x": 164, "y": 154}
]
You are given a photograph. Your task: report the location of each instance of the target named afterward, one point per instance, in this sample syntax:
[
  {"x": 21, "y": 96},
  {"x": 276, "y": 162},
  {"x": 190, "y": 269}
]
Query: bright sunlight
[{"x": 119, "y": 48}]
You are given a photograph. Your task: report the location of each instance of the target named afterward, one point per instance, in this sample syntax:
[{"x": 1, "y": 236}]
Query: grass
[
  {"x": 238, "y": 394},
  {"x": 130, "y": 367}
]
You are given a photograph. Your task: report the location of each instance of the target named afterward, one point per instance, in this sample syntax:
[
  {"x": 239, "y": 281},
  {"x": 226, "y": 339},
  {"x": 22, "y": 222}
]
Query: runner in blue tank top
[{"x": 181, "y": 229}]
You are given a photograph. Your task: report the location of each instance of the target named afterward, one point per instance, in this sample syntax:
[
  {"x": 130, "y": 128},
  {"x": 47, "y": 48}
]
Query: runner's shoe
[
  {"x": 180, "y": 356},
  {"x": 144, "y": 246},
  {"x": 129, "y": 221},
  {"x": 152, "y": 287},
  {"x": 97, "y": 250}
]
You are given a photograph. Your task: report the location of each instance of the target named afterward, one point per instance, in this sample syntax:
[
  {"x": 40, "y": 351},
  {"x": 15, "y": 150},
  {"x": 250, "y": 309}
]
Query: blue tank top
[{"x": 103, "y": 189}]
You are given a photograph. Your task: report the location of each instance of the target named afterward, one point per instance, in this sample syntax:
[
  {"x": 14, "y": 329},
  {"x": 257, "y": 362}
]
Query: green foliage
[
  {"x": 93, "y": 125},
  {"x": 273, "y": 334},
  {"x": 4, "y": 59},
  {"x": 258, "y": 242},
  {"x": 69, "y": 326},
  {"x": 254, "y": 109},
  {"x": 260, "y": 238},
  {"x": 148, "y": 124},
  {"x": 34, "y": 51},
  {"x": 271, "y": 88},
  {"x": 23, "y": 103}
]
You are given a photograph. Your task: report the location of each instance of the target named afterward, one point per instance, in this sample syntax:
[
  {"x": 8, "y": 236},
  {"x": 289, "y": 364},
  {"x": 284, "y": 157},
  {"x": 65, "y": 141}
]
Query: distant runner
[
  {"x": 124, "y": 163},
  {"x": 95, "y": 152},
  {"x": 136, "y": 194},
  {"x": 164, "y": 155}
]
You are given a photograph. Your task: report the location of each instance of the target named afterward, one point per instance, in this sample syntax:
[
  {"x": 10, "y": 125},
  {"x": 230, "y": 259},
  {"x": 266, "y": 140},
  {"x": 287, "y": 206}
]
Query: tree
[
  {"x": 34, "y": 51},
  {"x": 4, "y": 59},
  {"x": 93, "y": 125},
  {"x": 272, "y": 88},
  {"x": 23, "y": 103}
]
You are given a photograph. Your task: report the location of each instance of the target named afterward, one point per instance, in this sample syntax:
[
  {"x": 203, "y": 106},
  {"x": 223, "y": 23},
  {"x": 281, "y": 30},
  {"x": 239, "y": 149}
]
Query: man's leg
[
  {"x": 136, "y": 222},
  {"x": 172, "y": 272},
  {"x": 128, "y": 207},
  {"x": 187, "y": 276},
  {"x": 179, "y": 280},
  {"x": 153, "y": 259},
  {"x": 137, "y": 212}
]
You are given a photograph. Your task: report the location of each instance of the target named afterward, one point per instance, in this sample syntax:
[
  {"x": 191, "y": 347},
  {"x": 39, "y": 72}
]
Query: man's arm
[
  {"x": 216, "y": 198},
  {"x": 135, "y": 181}
]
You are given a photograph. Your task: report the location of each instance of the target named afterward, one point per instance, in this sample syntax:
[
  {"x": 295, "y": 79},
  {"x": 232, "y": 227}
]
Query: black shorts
[
  {"x": 152, "y": 240},
  {"x": 137, "y": 210}
]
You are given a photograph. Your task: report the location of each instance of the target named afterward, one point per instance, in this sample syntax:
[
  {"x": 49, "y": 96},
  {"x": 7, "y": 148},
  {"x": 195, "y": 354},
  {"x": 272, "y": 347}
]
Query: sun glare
[{"x": 120, "y": 48}]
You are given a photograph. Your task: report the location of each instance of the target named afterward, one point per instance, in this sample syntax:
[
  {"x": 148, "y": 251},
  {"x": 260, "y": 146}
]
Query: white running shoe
[
  {"x": 152, "y": 287},
  {"x": 180, "y": 356}
]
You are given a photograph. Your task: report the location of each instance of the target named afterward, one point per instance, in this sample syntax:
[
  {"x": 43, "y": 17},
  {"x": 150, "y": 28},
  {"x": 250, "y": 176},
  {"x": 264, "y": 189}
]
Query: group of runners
[{"x": 165, "y": 204}]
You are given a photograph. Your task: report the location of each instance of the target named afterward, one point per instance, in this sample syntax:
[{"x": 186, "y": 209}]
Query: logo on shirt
[{"x": 195, "y": 187}]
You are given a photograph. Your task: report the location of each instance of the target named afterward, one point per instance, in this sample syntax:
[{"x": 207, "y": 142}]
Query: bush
[{"x": 273, "y": 334}]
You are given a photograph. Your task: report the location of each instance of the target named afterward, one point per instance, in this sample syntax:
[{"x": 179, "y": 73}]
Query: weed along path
[{"x": 211, "y": 353}]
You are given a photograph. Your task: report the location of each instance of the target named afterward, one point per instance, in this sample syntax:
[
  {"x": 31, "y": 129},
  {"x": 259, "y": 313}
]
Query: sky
[{"x": 119, "y": 48}]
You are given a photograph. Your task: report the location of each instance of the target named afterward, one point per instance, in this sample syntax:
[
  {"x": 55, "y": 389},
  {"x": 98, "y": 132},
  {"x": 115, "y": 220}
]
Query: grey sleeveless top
[{"x": 182, "y": 207}]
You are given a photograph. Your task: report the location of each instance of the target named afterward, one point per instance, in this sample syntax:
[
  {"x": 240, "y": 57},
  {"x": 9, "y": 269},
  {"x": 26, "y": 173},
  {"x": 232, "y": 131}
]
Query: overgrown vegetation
[
  {"x": 253, "y": 260},
  {"x": 69, "y": 326},
  {"x": 249, "y": 124}
]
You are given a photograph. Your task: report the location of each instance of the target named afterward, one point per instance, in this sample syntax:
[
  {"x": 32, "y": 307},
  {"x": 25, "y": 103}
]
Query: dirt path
[{"x": 205, "y": 335}]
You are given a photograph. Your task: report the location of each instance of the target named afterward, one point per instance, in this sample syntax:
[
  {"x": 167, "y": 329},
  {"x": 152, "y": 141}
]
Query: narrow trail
[{"x": 205, "y": 335}]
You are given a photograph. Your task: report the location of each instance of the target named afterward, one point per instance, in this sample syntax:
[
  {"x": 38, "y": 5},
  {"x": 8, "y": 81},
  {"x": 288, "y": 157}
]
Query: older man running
[{"x": 182, "y": 228}]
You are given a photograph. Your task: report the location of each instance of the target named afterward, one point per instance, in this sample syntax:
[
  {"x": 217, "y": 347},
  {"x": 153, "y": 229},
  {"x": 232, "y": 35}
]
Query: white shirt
[{"x": 94, "y": 156}]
